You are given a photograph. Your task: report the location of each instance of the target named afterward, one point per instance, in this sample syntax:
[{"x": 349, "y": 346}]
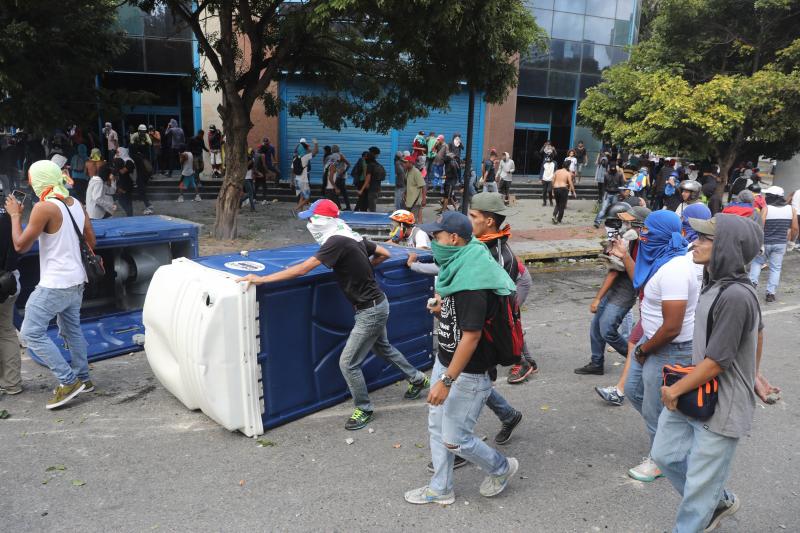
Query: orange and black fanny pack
[{"x": 700, "y": 403}]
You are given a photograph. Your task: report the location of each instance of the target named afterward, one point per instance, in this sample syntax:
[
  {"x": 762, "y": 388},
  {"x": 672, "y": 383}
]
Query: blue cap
[{"x": 451, "y": 222}]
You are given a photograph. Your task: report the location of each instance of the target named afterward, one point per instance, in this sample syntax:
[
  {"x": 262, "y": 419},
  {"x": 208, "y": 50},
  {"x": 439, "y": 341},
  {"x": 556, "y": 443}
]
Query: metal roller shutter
[{"x": 353, "y": 141}]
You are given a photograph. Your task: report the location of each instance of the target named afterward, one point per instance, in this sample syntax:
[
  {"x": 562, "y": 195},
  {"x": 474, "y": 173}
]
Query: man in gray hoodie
[{"x": 696, "y": 455}]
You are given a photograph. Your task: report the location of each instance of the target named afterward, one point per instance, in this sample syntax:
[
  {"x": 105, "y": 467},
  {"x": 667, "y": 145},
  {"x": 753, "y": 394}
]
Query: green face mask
[{"x": 444, "y": 253}]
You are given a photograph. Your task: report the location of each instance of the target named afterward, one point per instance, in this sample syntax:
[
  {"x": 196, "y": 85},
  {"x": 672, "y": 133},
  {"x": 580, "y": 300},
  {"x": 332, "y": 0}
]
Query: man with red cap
[{"x": 351, "y": 257}]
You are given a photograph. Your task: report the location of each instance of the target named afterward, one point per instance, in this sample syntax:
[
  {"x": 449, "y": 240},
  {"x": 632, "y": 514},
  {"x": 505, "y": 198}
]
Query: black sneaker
[
  {"x": 725, "y": 508},
  {"x": 358, "y": 419},
  {"x": 770, "y": 298},
  {"x": 457, "y": 463},
  {"x": 591, "y": 368},
  {"x": 415, "y": 389},
  {"x": 504, "y": 435}
]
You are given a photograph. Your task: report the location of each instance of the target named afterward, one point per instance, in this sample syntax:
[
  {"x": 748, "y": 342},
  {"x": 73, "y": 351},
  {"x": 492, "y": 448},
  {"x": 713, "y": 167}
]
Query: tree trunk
[
  {"x": 237, "y": 125},
  {"x": 465, "y": 198}
]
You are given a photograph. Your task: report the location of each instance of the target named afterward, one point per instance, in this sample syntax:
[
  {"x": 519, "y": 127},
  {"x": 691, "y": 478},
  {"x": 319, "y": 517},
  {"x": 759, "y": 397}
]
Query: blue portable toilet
[
  {"x": 252, "y": 359},
  {"x": 132, "y": 248},
  {"x": 374, "y": 226}
]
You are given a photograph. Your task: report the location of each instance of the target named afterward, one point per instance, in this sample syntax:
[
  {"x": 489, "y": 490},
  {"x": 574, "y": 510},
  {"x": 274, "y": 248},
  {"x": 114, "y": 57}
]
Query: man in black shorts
[{"x": 351, "y": 258}]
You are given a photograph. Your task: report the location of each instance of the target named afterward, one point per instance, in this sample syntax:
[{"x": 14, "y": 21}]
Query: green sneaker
[
  {"x": 358, "y": 420},
  {"x": 64, "y": 393},
  {"x": 415, "y": 390},
  {"x": 88, "y": 386}
]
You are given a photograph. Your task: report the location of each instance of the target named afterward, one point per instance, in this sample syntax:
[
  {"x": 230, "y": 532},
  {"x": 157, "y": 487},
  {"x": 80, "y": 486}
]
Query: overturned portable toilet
[
  {"x": 257, "y": 358},
  {"x": 132, "y": 248}
]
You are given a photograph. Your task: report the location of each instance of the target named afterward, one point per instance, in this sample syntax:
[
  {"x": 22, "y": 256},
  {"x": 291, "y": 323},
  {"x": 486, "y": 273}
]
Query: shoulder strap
[{"x": 78, "y": 232}]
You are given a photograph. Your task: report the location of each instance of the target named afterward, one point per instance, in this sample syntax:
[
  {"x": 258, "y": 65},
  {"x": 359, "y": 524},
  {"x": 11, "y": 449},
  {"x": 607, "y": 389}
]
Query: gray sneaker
[
  {"x": 494, "y": 485},
  {"x": 425, "y": 495},
  {"x": 611, "y": 394}
]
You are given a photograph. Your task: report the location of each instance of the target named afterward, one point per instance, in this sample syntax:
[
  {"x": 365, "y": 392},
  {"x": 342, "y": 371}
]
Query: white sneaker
[
  {"x": 425, "y": 495},
  {"x": 180, "y": 199},
  {"x": 147, "y": 211},
  {"x": 647, "y": 471},
  {"x": 494, "y": 485},
  {"x": 197, "y": 198}
]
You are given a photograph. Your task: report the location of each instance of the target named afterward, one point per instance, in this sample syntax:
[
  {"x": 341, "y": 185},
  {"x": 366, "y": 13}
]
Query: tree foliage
[
  {"x": 49, "y": 59},
  {"x": 378, "y": 63},
  {"x": 715, "y": 78}
]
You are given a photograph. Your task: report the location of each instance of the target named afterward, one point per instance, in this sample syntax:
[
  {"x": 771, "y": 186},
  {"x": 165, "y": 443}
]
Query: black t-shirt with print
[
  {"x": 349, "y": 260},
  {"x": 466, "y": 311}
]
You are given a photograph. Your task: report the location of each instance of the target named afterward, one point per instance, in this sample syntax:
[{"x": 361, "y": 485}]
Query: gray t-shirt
[
  {"x": 621, "y": 292},
  {"x": 732, "y": 345}
]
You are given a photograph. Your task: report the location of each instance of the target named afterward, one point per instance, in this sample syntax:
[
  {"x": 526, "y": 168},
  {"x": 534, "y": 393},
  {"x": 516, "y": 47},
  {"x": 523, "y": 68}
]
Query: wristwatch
[
  {"x": 639, "y": 353},
  {"x": 447, "y": 380}
]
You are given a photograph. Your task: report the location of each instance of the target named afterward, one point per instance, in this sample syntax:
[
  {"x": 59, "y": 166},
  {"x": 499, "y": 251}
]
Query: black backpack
[
  {"x": 378, "y": 172},
  {"x": 502, "y": 331},
  {"x": 297, "y": 166}
]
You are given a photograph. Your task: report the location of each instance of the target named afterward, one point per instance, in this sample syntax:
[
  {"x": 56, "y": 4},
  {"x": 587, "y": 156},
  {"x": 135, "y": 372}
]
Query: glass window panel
[
  {"x": 161, "y": 23},
  {"x": 601, "y": 8},
  {"x": 131, "y": 19},
  {"x": 169, "y": 55},
  {"x": 587, "y": 82},
  {"x": 625, "y": 9},
  {"x": 596, "y": 58},
  {"x": 622, "y": 32},
  {"x": 562, "y": 84},
  {"x": 598, "y": 30},
  {"x": 532, "y": 82},
  {"x": 533, "y": 110},
  {"x": 565, "y": 55},
  {"x": 537, "y": 58},
  {"x": 571, "y": 6},
  {"x": 544, "y": 4},
  {"x": 566, "y": 25},
  {"x": 132, "y": 58},
  {"x": 544, "y": 18}
]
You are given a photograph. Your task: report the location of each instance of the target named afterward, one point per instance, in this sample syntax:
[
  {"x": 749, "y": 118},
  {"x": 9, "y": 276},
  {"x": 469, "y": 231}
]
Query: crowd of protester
[{"x": 692, "y": 368}]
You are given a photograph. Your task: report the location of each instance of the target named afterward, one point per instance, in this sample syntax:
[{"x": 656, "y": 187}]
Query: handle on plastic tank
[{"x": 138, "y": 233}]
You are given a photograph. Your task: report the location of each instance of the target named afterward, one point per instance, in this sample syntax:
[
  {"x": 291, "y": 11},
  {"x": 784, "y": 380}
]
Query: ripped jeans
[{"x": 452, "y": 424}]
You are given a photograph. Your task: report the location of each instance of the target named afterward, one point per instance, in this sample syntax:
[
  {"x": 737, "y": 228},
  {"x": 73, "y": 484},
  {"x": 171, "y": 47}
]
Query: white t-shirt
[
  {"x": 305, "y": 160},
  {"x": 676, "y": 280},
  {"x": 573, "y": 163},
  {"x": 506, "y": 169},
  {"x": 188, "y": 166},
  {"x": 549, "y": 171},
  {"x": 419, "y": 239}
]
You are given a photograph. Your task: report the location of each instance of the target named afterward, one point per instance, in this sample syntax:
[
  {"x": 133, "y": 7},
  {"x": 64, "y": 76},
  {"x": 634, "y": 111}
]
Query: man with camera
[{"x": 10, "y": 361}]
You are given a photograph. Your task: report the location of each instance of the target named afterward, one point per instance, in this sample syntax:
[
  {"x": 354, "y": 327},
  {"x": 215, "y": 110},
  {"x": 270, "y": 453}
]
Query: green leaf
[
  {"x": 4, "y": 414},
  {"x": 55, "y": 467},
  {"x": 78, "y": 483},
  {"x": 263, "y": 443}
]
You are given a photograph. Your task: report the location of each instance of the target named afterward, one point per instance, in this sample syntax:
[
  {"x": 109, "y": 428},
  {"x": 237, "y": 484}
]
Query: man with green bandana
[
  {"x": 467, "y": 291},
  {"x": 59, "y": 293}
]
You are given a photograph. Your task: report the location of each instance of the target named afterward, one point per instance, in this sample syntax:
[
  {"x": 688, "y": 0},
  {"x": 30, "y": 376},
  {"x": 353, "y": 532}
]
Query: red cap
[
  {"x": 324, "y": 208},
  {"x": 408, "y": 158}
]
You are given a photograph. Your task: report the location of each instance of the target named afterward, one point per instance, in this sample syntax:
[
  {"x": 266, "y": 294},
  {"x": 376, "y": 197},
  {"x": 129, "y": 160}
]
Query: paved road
[{"x": 148, "y": 464}]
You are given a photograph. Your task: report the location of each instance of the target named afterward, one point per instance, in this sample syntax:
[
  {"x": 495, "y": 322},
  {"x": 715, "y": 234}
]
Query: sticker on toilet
[{"x": 246, "y": 266}]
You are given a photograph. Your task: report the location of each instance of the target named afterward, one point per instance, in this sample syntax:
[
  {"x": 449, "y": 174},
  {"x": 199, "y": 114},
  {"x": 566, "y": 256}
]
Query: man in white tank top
[{"x": 62, "y": 276}]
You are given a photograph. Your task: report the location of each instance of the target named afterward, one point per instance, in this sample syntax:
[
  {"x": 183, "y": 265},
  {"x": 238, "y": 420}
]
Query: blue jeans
[
  {"x": 626, "y": 327},
  {"x": 608, "y": 201},
  {"x": 64, "y": 304},
  {"x": 773, "y": 253},
  {"x": 500, "y": 407},
  {"x": 697, "y": 463},
  {"x": 369, "y": 332},
  {"x": 452, "y": 424},
  {"x": 604, "y": 329},
  {"x": 643, "y": 386},
  {"x": 399, "y": 197}
]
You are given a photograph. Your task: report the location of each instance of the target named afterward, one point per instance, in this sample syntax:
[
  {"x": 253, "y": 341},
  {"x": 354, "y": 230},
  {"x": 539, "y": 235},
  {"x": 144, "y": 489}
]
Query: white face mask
[
  {"x": 630, "y": 235},
  {"x": 323, "y": 228},
  {"x": 457, "y": 142}
]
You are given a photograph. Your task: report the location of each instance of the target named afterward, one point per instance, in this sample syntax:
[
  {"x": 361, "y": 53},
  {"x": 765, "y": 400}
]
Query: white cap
[
  {"x": 59, "y": 160},
  {"x": 142, "y": 127},
  {"x": 777, "y": 191},
  {"x": 303, "y": 140}
]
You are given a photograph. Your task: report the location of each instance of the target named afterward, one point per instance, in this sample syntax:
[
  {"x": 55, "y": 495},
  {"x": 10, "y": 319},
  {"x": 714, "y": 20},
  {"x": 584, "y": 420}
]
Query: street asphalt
[{"x": 130, "y": 457}]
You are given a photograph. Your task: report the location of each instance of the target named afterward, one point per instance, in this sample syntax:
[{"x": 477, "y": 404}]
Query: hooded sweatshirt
[{"x": 736, "y": 321}]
